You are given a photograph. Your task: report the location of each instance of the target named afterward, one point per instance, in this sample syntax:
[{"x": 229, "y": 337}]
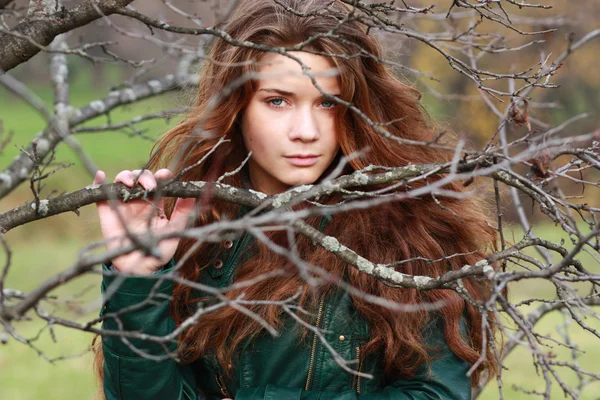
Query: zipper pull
[{"x": 222, "y": 386}]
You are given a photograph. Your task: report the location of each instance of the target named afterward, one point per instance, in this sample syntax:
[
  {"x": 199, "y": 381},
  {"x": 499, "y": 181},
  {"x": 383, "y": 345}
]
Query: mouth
[{"x": 303, "y": 160}]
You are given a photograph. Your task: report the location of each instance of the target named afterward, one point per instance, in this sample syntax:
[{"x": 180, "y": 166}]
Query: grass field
[{"x": 44, "y": 248}]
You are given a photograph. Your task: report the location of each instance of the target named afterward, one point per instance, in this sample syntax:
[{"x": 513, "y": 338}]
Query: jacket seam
[{"x": 244, "y": 369}]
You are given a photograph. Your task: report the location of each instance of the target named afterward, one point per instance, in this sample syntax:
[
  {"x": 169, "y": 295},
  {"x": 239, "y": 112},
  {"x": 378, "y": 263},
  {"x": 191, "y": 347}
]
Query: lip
[{"x": 303, "y": 160}]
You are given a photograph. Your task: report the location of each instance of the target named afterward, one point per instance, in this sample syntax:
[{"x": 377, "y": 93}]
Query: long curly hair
[{"x": 424, "y": 229}]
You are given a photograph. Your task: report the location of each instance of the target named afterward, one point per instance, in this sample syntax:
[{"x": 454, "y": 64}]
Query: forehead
[{"x": 281, "y": 72}]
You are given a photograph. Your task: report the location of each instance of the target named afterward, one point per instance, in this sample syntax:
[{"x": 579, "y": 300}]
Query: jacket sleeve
[
  {"x": 142, "y": 304},
  {"x": 446, "y": 380}
]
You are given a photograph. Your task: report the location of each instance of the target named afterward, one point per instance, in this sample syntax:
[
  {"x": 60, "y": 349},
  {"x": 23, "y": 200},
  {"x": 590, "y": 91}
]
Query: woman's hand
[{"x": 135, "y": 215}]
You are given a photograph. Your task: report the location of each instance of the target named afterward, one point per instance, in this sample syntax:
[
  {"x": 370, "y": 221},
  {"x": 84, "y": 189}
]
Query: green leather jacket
[{"x": 268, "y": 368}]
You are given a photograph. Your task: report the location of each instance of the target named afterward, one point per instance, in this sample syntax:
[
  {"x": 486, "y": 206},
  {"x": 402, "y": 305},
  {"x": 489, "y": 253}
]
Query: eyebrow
[
  {"x": 279, "y": 91},
  {"x": 282, "y": 92}
]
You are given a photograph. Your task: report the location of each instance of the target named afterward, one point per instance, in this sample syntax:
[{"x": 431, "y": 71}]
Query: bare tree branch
[{"x": 37, "y": 31}]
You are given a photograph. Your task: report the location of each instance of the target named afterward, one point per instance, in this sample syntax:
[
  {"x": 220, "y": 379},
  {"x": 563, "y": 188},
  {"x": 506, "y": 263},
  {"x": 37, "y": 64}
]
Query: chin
[{"x": 302, "y": 181}]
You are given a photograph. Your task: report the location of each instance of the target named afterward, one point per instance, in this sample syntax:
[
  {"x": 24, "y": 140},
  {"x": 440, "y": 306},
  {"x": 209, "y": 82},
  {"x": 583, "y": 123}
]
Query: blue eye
[
  {"x": 328, "y": 104},
  {"x": 278, "y": 102}
]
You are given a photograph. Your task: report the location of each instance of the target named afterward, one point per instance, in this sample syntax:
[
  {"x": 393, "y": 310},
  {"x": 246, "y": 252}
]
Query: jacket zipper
[
  {"x": 313, "y": 353},
  {"x": 222, "y": 386},
  {"x": 359, "y": 362},
  {"x": 234, "y": 259}
]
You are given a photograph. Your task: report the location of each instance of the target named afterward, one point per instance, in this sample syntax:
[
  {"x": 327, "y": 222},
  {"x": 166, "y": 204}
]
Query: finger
[
  {"x": 163, "y": 174},
  {"x": 125, "y": 177},
  {"x": 99, "y": 178},
  {"x": 146, "y": 179},
  {"x": 137, "y": 173}
]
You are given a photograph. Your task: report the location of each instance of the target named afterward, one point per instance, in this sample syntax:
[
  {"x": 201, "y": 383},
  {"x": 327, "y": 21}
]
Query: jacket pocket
[{"x": 331, "y": 376}]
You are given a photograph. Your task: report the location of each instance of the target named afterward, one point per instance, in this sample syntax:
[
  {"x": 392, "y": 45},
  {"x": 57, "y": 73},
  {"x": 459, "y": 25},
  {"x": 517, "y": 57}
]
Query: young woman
[{"x": 296, "y": 135}]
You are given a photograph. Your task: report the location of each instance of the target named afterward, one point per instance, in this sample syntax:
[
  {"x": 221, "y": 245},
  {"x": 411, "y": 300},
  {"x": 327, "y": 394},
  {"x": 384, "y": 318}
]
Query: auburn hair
[{"x": 425, "y": 228}]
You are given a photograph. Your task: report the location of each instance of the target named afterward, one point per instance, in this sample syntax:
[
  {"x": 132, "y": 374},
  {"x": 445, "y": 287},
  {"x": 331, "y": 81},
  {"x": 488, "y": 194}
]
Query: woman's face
[{"x": 288, "y": 125}]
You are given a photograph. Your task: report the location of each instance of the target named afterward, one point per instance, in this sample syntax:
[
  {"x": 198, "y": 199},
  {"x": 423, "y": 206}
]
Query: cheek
[
  {"x": 257, "y": 141},
  {"x": 255, "y": 126},
  {"x": 333, "y": 142},
  {"x": 249, "y": 127},
  {"x": 332, "y": 131},
  {"x": 246, "y": 139}
]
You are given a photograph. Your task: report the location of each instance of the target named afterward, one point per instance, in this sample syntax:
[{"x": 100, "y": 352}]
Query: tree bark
[{"x": 33, "y": 34}]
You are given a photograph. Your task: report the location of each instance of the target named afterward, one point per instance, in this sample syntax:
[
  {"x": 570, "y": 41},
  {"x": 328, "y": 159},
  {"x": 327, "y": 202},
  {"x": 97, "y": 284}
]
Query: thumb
[
  {"x": 99, "y": 178},
  {"x": 181, "y": 213}
]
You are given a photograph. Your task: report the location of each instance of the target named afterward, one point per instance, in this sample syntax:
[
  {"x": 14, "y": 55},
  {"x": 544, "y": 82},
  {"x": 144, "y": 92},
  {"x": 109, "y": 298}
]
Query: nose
[{"x": 304, "y": 126}]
